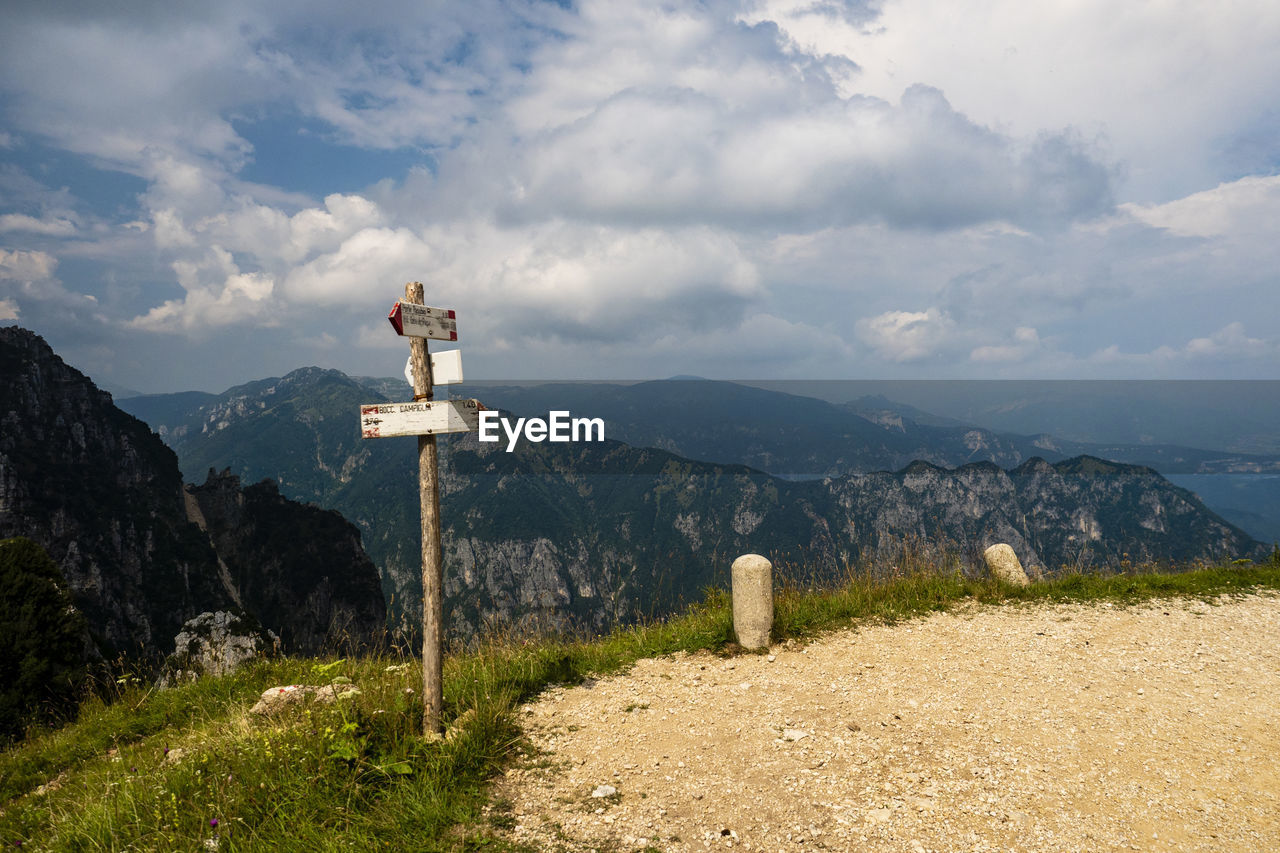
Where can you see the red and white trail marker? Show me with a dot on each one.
(419, 321)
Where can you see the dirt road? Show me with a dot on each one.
(1010, 728)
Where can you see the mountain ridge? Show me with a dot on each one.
(583, 536)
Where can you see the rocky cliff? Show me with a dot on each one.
(583, 536)
(299, 569)
(104, 496)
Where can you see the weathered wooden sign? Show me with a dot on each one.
(427, 417)
(419, 321)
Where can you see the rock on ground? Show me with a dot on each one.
(1003, 563)
(275, 699)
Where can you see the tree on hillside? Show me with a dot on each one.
(42, 664)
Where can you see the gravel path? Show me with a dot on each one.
(1007, 728)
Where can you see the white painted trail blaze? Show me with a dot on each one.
(428, 417)
(420, 321)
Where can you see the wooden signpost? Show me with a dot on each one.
(426, 418)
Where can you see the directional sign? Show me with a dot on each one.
(429, 417)
(419, 321)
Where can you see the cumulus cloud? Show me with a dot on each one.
(8, 309)
(674, 156)
(1231, 342)
(727, 123)
(22, 265)
(217, 294)
(907, 336)
(363, 265)
(1171, 94)
(599, 180)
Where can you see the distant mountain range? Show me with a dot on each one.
(1228, 416)
(791, 435)
(584, 535)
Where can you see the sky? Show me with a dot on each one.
(195, 195)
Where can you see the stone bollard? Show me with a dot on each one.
(752, 600)
(1003, 564)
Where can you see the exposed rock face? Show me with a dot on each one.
(298, 431)
(103, 496)
(299, 569)
(585, 536)
(1080, 512)
(216, 644)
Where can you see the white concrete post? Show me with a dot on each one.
(752, 600)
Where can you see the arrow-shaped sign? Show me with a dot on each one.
(419, 321)
(429, 417)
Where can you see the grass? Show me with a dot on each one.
(191, 769)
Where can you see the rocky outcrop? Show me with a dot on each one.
(104, 497)
(298, 568)
(216, 644)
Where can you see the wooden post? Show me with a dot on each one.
(432, 557)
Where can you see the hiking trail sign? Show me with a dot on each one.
(429, 417)
(419, 321)
(426, 418)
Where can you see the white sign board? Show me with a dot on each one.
(429, 417)
(446, 368)
(419, 321)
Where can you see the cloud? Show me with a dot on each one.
(401, 74)
(1230, 344)
(22, 265)
(48, 227)
(1245, 207)
(217, 294)
(1171, 94)
(907, 336)
(599, 183)
(1026, 342)
(361, 267)
(8, 309)
(728, 124)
